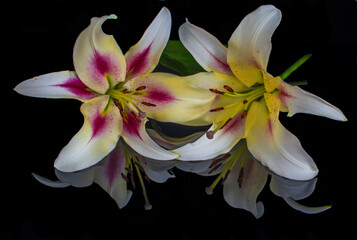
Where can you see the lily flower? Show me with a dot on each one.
(251, 109)
(110, 109)
(113, 174)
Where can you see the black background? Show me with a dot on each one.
(39, 38)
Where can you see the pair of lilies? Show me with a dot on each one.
(236, 96)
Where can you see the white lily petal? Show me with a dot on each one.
(296, 100)
(50, 183)
(297, 190)
(97, 137)
(275, 147)
(157, 171)
(63, 84)
(97, 58)
(250, 45)
(223, 141)
(136, 137)
(199, 167)
(244, 184)
(108, 176)
(207, 50)
(83, 178)
(145, 55)
(309, 210)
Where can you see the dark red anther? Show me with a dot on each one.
(125, 91)
(244, 114)
(129, 170)
(216, 91)
(245, 101)
(240, 178)
(216, 109)
(215, 168)
(135, 116)
(132, 180)
(225, 177)
(228, 88)
(148, 104)
(140, 88)
(125, 177)
(226, 123)
(139, 166)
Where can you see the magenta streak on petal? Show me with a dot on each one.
(98, 123)
(114, 165)
(102, 64)
(221, 64)
(138, 62)
(77, 87)
(132, 127)
(159, 96)
(284, 95)
(234, 126)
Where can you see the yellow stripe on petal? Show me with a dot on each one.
(273, 104)
(270, 83)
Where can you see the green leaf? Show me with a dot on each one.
(178, 59)
(295, 66)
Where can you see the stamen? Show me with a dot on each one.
(228, 88)
(225, 177)
(218, 160)
(140, 88)
(129, 170)
(125, 91)
(240, 177)
(216, 91)
(245, 101)
(216, 109)
(148, 104)
(226, 123)
(132, 181)
(209, 191)
(147, 205)
(136, 116)
(125, 177)
(244, 114)
(215, 168)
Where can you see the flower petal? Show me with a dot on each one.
(243, 185)
(109, 176)
(145, 55)
(297, 190)
(50, 183)
(176, 99)
(305, 209)
(97, 57)
(63, 84)
(208, 51)
(275, 147)
(223, 141)
(83, 178)
(296, 100)
(250, 45)
(157, 171)
(136, 137)
(98, 136)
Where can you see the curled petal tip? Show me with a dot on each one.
(112, 16)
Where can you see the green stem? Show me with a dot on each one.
(298, 83)
(295, 66)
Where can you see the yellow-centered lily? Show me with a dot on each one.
(251, 108)
(114, 89)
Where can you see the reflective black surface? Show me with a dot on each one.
(39, 38)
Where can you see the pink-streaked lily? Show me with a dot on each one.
(252, 111)
(110, 109)
(113, 174)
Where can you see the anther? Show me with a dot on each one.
(216, 91)
(226, 123)
(244, 114)
(129, 170)
(125, 91)
(132, 180)
(125, 177)
(228, 88)
(139, 166)
(210, 134)
(225, 177)
(136, 116)
(140, 88)
(245, 101)
(215, 168)
(216, 109)
(148, 104)
(240, 178)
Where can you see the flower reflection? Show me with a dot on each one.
(114, 173)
